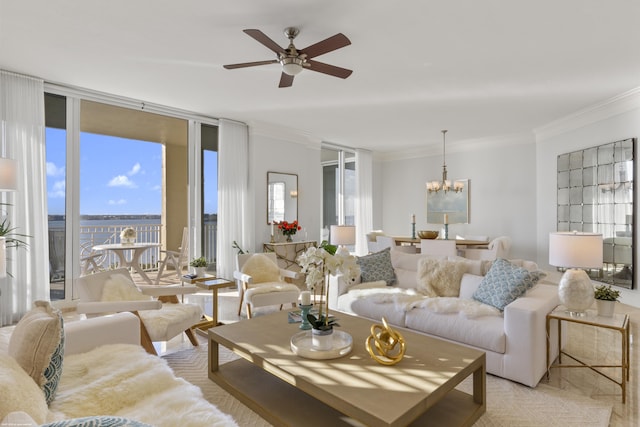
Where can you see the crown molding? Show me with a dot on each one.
(467, 145)
(619, 104)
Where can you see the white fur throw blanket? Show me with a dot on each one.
(408, 299)
(123, 380)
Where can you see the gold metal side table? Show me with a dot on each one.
(619, 322)
(211, 283)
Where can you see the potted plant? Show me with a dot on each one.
(289, 229)
(128, 236)
(322, 331)
(199, 266)
(606, 298)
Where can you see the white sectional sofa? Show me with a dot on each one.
(514, 339)
(106, 378)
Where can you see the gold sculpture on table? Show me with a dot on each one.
(389, 344)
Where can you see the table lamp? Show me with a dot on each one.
(575, 251)
(342, 236)
(7, 183)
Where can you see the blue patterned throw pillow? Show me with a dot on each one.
(377, 266)
(37, 344)
(99, 421)
(503, 283)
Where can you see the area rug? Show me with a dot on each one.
(508, 404)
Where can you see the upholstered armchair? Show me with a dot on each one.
(261, 282)
(160, 319)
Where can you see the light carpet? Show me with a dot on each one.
(508, 404)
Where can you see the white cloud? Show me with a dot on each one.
(118, 202)
(53, 170)
(121, 181)
(156, 188)
(58, 190)
(135, 169)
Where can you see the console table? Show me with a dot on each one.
(287, 253)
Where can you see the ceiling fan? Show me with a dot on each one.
(294, 60)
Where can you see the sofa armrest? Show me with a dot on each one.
(84, 335)
(99, 307)
(159, 291)
(525, 327)
(338, 285)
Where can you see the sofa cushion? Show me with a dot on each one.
(439, 278)
(97, 421)
(37, 344)
(503, 283)
(485, 332)
(377, 266)
(262, 269)
(19, 392)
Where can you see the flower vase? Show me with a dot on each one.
(322, 339)
(199, 271)
(289, 238)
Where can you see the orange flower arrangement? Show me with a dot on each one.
(289, 228)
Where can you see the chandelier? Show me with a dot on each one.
(445, 184)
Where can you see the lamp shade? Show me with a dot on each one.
(575, 250)
(343, 235)
(7, 174)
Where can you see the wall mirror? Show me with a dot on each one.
(282, 197)
(596, 194)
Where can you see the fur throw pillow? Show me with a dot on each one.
(440, 278)
(262, 269)
(119, 287)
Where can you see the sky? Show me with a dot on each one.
(117, 176)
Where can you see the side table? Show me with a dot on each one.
(211, 283)
(619, 322)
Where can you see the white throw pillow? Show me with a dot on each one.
(19, 392)
(440, 278)
(119, 287)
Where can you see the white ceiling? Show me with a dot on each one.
(481, 68)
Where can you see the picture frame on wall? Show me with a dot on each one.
(455, 205)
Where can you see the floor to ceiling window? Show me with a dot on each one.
(209, 147)
(338, 187)
(111, 167)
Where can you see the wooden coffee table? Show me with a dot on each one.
(288, 390)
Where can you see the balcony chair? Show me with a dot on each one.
(497, 248)
(438, 247)
(178, 259)
(161, 319)
(261, 282)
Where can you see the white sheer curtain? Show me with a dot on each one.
(22, 139)
(235, 207)
(364, 204)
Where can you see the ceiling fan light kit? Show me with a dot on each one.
(293, 61)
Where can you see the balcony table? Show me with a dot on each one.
(136, 250)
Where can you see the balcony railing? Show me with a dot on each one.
(99, 234)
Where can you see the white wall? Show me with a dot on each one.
(613, 121)
(502, 196)
(288, 154)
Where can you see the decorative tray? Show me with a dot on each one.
(301, 345)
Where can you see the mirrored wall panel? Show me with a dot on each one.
(596, 194)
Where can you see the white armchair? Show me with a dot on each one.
(261, 282)
(160, 319)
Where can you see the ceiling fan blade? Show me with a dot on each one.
(265, 40)
(326, 45)
(285, 80)
(250, 64)
(332, 70)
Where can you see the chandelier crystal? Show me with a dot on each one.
(445, 184)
